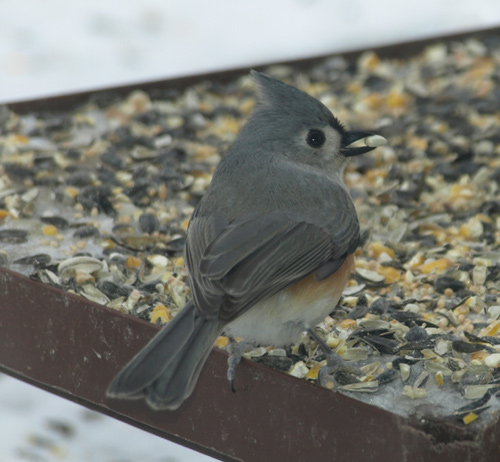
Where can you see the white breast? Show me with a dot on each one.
(280, 319)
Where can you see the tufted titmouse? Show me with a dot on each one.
(269, 247)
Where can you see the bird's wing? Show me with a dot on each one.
(255, 257)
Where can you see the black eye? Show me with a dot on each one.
(315, 138)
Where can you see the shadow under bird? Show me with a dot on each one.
(269, 247)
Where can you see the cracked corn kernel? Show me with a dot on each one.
(348, 323)
(417, 142)
(179, 261)
(332, 342)
(49, 230)
(375, 249)
(133, 262)
(461, 191)
(72, 192)
(222, 341)
(472, 229)
(397, 100)
(374, 101)
(491, 330)
(313, 372)
(469, 418)
(160, 314)
(437, 266)
(354, 87)
(478, 356)
(81, 277)
(391, 274)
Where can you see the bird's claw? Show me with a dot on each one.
(236, 351)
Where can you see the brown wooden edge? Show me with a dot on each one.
(72, 347)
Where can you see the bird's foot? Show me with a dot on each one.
(236, 351)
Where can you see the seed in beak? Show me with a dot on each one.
(375, 141)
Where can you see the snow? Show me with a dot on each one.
(54, 47)
(37, 426)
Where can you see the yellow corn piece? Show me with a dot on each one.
(348, 323)
(469, 418)
(492, 329)
(49, 230)
(133, 262)
(478, 355)
(375, 249)
(222, 341)
(313, 372)
(160, 312)
(72, 192)
(439, 378)
(179, 261)
(438, 266)
(391, 274)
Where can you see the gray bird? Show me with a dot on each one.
(269, 247)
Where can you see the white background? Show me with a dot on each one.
(55, 46)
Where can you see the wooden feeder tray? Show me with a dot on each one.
(72, 347)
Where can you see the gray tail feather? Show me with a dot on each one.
(165, 371)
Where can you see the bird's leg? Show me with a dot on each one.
(236, 351)
(334, 362)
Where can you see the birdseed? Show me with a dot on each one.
(97, 201)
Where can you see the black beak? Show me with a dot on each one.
(351, 137)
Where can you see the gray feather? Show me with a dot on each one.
(166, 369)
(276, 211)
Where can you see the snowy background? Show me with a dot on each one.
(54, 46)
